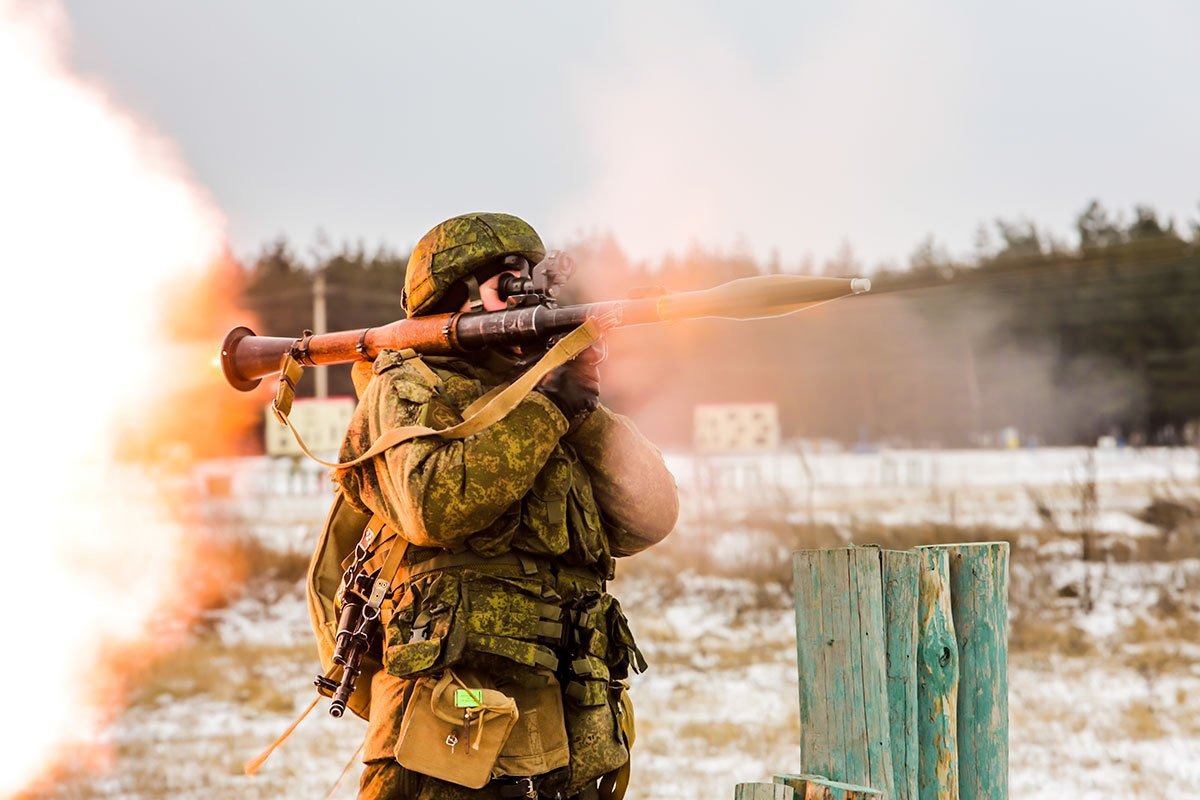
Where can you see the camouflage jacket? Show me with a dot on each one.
(526, 483)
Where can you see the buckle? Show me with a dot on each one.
(518, 788)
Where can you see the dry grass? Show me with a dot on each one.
(266, 563)
(1160, 642)
(758, 547)
(1142, 722)
(1034, 635)
(207, 668)
(1169, 513)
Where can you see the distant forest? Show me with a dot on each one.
(1064, 343)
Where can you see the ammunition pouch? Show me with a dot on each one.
(505, 730)
(454, 729)
(599, 746)
(601, 647)
(601, 651)
(546, 634)
(502, 614)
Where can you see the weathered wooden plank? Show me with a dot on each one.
(810, 661)
(846, 759)
(816, 787)
(937, 681)
(867, 591)
(841, 657)
(763, 791)
(900, 580)
(979, 599)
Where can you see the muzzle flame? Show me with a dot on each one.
(102, 232)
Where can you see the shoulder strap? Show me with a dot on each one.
(498, 404)
(391, 565)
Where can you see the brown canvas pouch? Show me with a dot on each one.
(538, 743)
(598, 745)
(454, 729)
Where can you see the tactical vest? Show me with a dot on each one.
(527, 593)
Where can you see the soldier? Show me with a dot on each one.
(512, 535)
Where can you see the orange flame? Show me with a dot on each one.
(118, 287)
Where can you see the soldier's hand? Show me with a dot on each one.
(575, 386)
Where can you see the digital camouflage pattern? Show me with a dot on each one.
(459, 246)
(529, 484)
(455, 493)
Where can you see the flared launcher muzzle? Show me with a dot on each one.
(246, 358)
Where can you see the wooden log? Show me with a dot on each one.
(763, 791)
(816, 734)
(815, 787)
(841, 657)
(900, 580)
(869, 659)
(937, 680)
(839, 678)
(979, 599)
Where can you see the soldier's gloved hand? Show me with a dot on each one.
(575, 386)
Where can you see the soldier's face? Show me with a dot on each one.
(489, 292)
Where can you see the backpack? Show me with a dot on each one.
(343, 530)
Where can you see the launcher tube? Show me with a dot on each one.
(246, 358)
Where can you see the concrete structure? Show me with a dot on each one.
(736, 427)
(321, 421)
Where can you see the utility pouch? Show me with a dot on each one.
(603, 650)
(423, 636)
(538, 743)
(599, 743)
(454, 729)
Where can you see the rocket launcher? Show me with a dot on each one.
(533, 318)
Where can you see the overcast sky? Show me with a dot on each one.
(787, 126)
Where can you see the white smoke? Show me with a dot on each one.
(691, 140)
(97, 215)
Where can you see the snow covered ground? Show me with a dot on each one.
(1104, 669)
(961, 488)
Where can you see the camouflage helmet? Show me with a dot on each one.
(458, 248)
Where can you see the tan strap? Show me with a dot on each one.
(387, 573)
(252, 766)
(479, 403)
(493, 703)
(346, 770)
(497, 407)
(613, 785)
(290, 372)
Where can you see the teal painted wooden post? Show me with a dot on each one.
(900, 580)
(937, 680)
(870, 661)
(816, 734)
(841, 657)
(979, 598)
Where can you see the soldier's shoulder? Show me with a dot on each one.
(404, 375)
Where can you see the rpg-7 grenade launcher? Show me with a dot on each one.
(533, 317)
